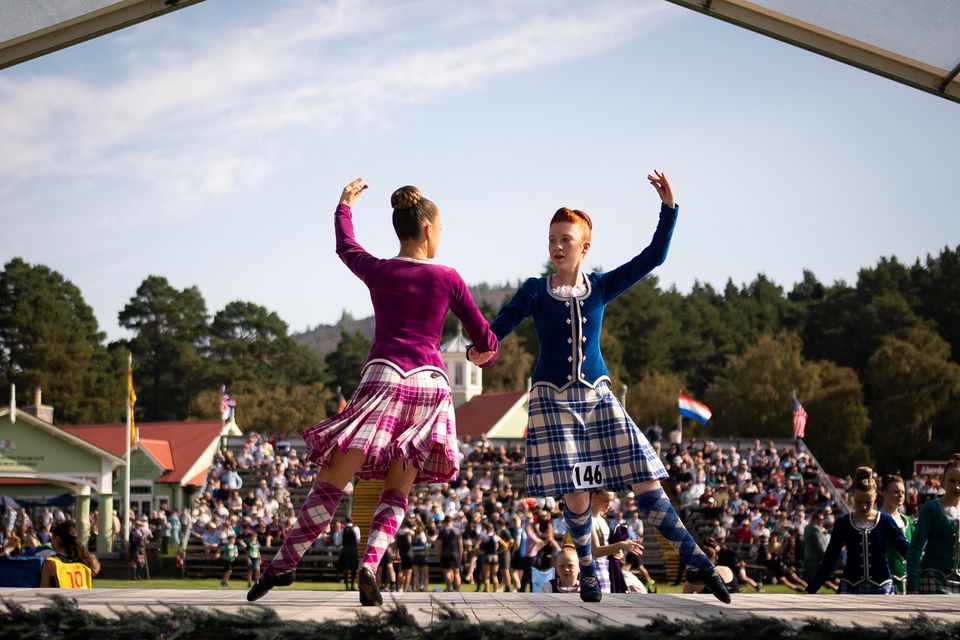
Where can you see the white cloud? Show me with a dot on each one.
(187, 123)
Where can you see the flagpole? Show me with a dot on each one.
(126, 471)
(680, 424)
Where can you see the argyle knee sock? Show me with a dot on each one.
(314, 516)
(580, 526)
(655, 507)
(386, 520)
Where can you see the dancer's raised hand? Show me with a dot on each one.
(660, 183)
(351, 191)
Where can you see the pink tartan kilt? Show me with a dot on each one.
(391, 417)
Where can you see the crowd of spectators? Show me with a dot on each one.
(507, 539)
(752, 504)
(21, 536)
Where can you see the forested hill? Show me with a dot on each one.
(324, 338)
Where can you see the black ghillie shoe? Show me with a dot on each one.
(590, 589)
(711, 581)
(369, 591)
(267, 582)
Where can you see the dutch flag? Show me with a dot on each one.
(690, 408)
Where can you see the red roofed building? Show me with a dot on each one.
(498, 416)
(42, 463)
(170, 460)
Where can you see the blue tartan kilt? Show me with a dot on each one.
(867, 588)
(581, 439)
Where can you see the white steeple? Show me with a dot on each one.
(466, 379)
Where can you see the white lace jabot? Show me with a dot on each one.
(569, 291)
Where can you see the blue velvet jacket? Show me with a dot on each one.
(866, 551)
(568, 329)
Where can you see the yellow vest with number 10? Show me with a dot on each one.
(72, 575)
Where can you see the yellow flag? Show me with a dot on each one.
(132, 399)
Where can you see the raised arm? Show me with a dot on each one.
(512, 314)
(353, 255)
(519, 307)
(614, 283)
(476, 326)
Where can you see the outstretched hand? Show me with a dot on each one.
(351, 191)
(630, 546)
(660, 183)
(479, 358)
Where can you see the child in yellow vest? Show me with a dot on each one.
(73, 567)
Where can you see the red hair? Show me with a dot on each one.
(576, 217)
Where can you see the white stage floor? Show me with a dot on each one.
(867, 611)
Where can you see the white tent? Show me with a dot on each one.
(916, 42)
(32, 28)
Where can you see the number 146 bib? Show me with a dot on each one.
(587, 475)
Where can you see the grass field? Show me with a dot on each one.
(187, 583)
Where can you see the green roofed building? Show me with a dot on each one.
(43, 463)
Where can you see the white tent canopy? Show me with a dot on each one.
(32, 28)
(916, 42)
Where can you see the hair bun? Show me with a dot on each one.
(864, 472)
(864, 479)
(405, 197)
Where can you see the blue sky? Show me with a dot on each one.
(209, 146)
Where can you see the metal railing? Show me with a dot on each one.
(839, 499)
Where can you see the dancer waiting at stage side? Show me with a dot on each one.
(603, 550)
(933, 563)
(893, 492)
(398, 425)
(579, 437)
(865, 533)
(567, 566)
(72, 566)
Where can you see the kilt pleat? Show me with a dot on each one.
(583, 430)
(393, 417)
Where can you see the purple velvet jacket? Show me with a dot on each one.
(410, 301)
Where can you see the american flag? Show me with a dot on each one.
(799, 418)
(227, 403)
